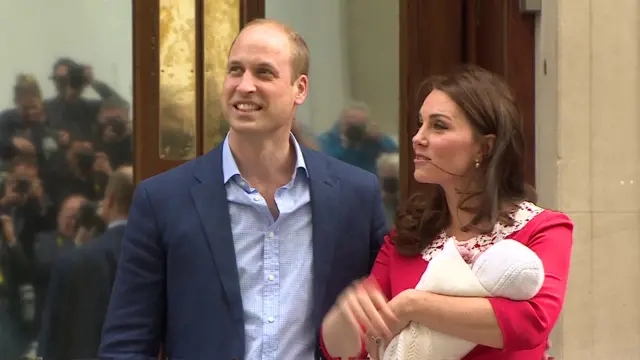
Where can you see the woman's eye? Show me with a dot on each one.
(438, 125)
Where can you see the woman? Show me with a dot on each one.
(469, 150)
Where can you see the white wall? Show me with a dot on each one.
(321, 23)
(36, 32)
(588, 166)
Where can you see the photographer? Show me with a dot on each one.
(81, 282)
(22, 198)
(355, 140)
(78, 170)
(24, 130)
(69, 111)
(115, 132)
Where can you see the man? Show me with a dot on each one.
(355, 140)
(82, 280)
(49, 246)
(240, 253)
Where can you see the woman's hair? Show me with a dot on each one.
(490, 108)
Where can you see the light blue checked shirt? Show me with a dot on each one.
(275, 259)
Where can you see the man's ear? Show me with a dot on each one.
(301, 87)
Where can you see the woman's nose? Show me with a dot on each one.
(419, 139)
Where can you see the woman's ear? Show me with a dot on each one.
(488, 144)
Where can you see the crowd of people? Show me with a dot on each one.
(56, 157)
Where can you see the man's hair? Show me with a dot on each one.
(26, 85)
(121, 187)
(299, 48)
(355, 105)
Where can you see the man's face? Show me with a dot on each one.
(61, 78)
(67, 215)
(31, 108)
(354, 125)
(259, 94)
(25, 171)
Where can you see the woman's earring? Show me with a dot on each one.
(477, 164)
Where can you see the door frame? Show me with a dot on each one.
(496, 35)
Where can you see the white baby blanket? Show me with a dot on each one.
(507, 269)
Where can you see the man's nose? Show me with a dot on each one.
(247, 83)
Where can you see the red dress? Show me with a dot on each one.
(525, 324)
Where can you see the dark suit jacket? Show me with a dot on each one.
(78, 298)
(49, 246)
(177, 281)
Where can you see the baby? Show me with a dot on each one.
(506, 269)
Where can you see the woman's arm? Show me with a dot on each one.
(470, 318)
(340, 336)
(499, 322)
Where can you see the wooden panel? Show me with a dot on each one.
(502, 40)
(221, 23)
(180, 74)
(146, 83)
(251, 9)
(431, 34)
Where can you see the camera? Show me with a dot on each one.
(85, 159)
(117, 124)
(88, 218)
(22, 186)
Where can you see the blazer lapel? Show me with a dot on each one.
(325, 193)
(210, 198)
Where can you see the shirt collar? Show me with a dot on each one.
(230, 167)
(116, 223)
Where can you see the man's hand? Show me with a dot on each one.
(23, 145)
(63, 138)
(8, 229)
(11, 197)
(88, 74)
(102, 164)
(37, 191)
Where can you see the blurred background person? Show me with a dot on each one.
(355, 140)
(81, 282)
(389, 175)
(50, 246)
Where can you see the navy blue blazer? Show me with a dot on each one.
(177, 282)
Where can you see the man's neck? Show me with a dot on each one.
(264, 160)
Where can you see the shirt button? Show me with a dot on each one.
(243, 184)
(270, 234)
(271, 277)
(270, 319)
(256, 198)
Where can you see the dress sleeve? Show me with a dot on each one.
(380, 271)
(527, 324)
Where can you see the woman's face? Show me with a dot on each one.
(446, 148)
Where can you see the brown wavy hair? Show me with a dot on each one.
(489, 106)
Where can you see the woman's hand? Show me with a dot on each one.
(365, 306)
(372, 347)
